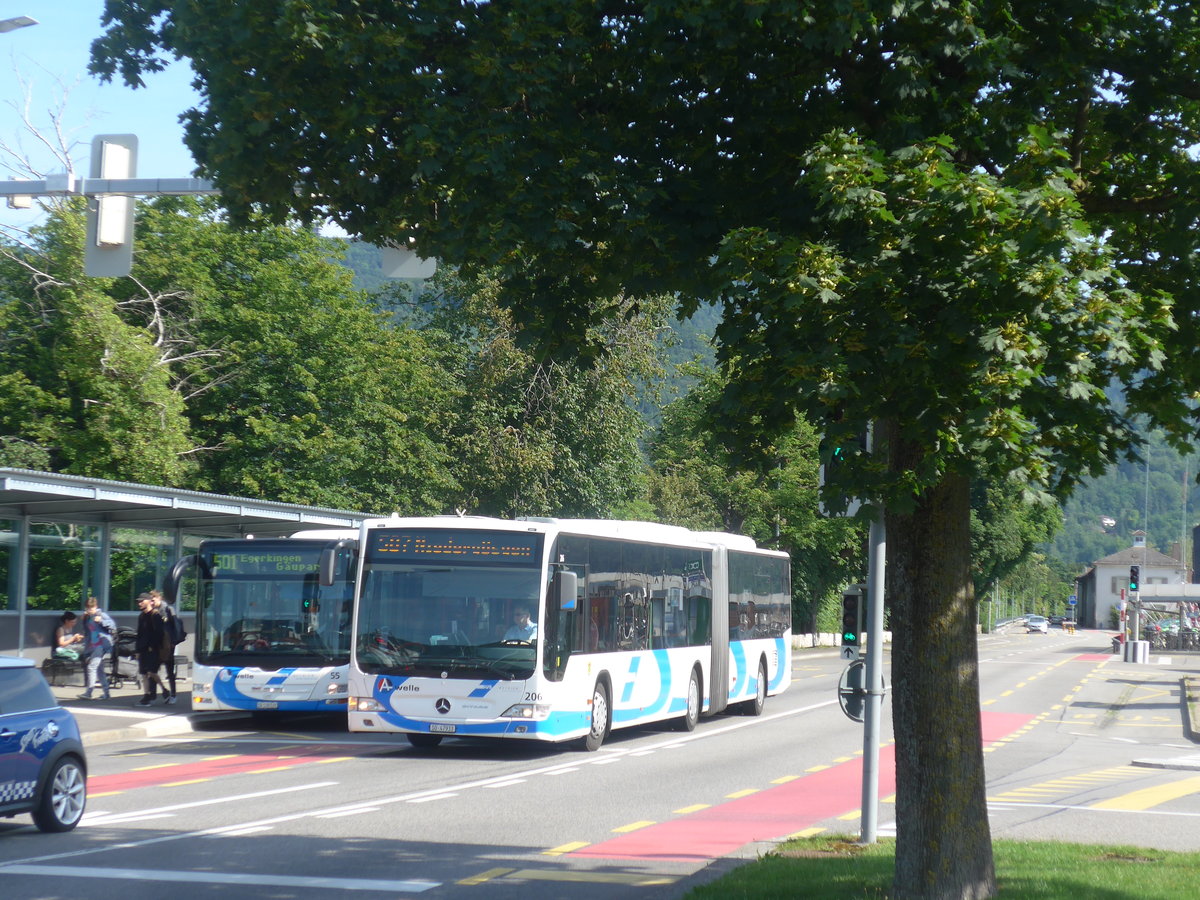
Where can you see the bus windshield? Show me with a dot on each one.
(261, 603)
(457, 601)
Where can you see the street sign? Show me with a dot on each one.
(849, 653)
(852, 690)
(1071, 602)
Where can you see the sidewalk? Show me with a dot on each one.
(120, 719)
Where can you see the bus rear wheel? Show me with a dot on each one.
(754, 707)
(600, 718)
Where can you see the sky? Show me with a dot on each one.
(41, 62)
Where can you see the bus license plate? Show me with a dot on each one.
(438, 728)
(267, 704)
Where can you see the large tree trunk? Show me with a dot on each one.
(943, 841)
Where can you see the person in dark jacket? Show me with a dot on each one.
(150, 637)
(171, 628)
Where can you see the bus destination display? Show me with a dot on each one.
(266, 560)
(456, 546)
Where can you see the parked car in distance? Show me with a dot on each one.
(1037, 623)
(43, 769)
(1057, 620)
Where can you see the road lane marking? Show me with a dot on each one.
(406, 886)
(102, 818)
(483, 877)
(1151, 796)
(636, 879)
(565, 848)
(633, 826)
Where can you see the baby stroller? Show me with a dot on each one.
(124, 657)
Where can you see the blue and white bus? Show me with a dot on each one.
(628, 623)
(273, 620)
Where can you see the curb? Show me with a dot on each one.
(164, 727)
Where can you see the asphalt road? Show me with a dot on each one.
(1079, 746)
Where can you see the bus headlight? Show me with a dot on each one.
(363, 704)
(334, 688)
(199, 687)
(526, 711)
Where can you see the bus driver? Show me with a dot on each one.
(522, 629)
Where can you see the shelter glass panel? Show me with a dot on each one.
(140, 560)
(64, 564)
(9, 537)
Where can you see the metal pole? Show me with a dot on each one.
(874, 675)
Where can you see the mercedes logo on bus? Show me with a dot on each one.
(442, 705)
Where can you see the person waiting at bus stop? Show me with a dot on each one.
(522, 629)
(99, 628)
(150, 635)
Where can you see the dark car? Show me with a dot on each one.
(43, 769)
(1057, 620)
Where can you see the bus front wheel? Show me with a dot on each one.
(423, 741)
(600, 718)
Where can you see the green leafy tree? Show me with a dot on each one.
(697, 482)
(1006, 530)
(298, 389)
(82, 388)
(933, 273)
(540, 436)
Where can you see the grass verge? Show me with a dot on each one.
(836, 868)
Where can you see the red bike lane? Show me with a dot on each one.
(771, 813)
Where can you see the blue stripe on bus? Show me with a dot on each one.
(226, 692)
(739, 667)
(627, 693)
(781, 671)
(280, 677)
(484, 688)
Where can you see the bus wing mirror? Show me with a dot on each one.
(568, 590)
(327, 566)
(175, 576)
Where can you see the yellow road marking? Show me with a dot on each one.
(485, 876)
(632, 826)
(564, 848)
(738, 794)
(785, 779)
(635, 878)
(806, 833)
(695, 807)
(189, 781)
(1151, 796)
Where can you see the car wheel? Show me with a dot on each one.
(64, 797)
(600, 718)
(691, 714)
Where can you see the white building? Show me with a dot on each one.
(1102, 587)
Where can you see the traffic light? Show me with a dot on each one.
(851, 619)
(1134, 577)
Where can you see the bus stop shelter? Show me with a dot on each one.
(65, 537)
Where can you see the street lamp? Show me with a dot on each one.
(15, 23)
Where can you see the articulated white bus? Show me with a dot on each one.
(552, 630)
(273, 620)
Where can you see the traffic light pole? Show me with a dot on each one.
(874, 676)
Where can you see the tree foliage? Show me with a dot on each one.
(900, 207)
(537, 436)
